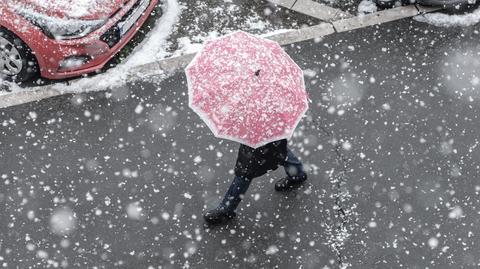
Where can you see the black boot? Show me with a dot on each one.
(287, 183)
(226, 210)
(218, 215)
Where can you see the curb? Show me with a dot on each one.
(172, 64)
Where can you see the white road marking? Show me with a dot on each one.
(284, 3)
(294, 36)
(375, 18)
(170, 65)
(319, 11)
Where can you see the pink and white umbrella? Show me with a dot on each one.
(247, 89)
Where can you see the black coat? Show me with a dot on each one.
(253, 163)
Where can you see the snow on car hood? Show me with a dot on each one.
(72, 9)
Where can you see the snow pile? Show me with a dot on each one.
(367, 6)
(63, 221)
(445, 20)
(7, 85)
(154, 48)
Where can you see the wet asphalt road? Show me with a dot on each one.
(120, 179)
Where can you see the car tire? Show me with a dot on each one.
(25, 66)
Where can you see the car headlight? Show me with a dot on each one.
(62, 29)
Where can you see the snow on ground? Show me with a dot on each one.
(8, 85)
(155, 47)
(194, 44)
(446, 20)
(224, 20)
(367, 6)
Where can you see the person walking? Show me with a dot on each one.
(252, 163)
(247, 89)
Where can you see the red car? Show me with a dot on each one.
(65, 38)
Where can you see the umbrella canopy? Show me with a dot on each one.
(247, 89)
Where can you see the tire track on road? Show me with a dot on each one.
(344, 209)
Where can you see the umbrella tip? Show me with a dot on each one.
(257, 73)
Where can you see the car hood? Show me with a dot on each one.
(73, 9)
